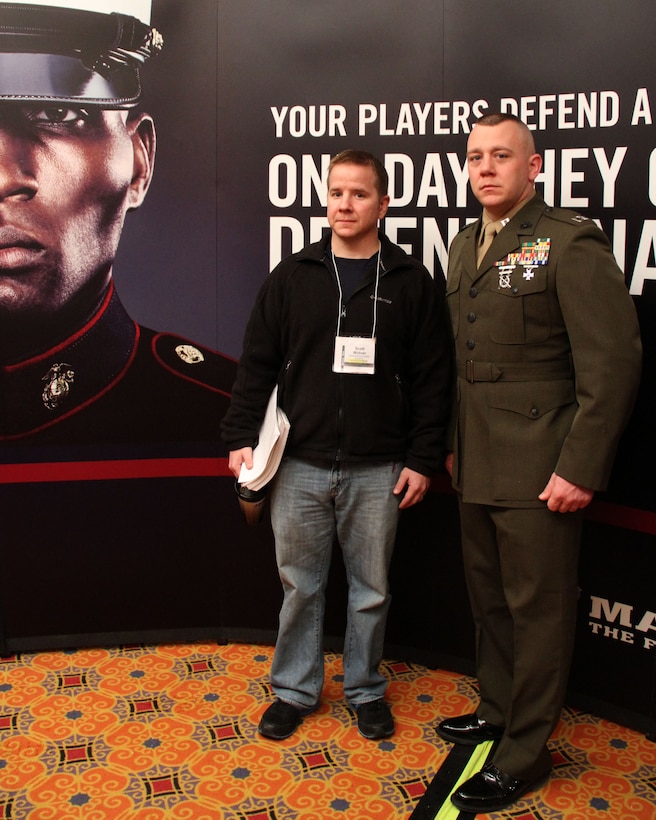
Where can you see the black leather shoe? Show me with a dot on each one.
(281, 720)
(492, 790)
(375, 720)
(468, 730)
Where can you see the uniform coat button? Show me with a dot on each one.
(535, 412)
(471, 344)
(471, 317)
(473, 293)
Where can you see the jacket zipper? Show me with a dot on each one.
(340, 382)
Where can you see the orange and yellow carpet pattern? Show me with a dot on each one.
(169, 733)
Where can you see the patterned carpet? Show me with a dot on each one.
(168, 733)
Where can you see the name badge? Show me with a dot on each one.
(354, 354)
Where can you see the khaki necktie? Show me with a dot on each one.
(491, 230)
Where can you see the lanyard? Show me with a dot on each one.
(340, 306)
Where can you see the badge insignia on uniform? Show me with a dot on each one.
(530, 256)
(579, 218)
(189, 354)
(58, 380)
(505, 272)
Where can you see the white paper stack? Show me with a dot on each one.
(270, 447)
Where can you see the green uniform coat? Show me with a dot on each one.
(548, 358)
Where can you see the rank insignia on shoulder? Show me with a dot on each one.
(580, 218)
(189, 354)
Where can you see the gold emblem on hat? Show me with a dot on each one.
(155, 41)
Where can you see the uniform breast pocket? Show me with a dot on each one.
(521, 308)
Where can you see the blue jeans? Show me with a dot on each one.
(311, 505)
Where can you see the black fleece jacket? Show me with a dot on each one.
(397, 414)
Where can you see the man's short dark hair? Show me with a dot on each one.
(355, 157)
(497, 117)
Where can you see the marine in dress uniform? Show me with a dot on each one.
(109, 431)
(113, 381)
(548, 362)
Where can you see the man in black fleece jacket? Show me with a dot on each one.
(354, 333)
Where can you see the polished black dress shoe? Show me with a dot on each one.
(375, 720)
(468, 730)
(282, 719)
(492, 790)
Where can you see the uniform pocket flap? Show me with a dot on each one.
(516, 284)
(532, 399)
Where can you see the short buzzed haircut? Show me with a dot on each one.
(498, 117)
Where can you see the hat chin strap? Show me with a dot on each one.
(100, 40)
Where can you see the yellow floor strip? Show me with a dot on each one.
(476, 762)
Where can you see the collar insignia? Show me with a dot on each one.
(58, 380)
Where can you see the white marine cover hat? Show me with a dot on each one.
(82, 52)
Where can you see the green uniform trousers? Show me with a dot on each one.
(521, 570)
